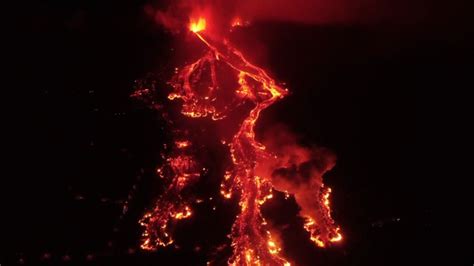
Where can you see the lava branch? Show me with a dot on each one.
(252, 243)
(178, 171)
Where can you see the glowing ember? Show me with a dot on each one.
(197, 86)
(182, 144)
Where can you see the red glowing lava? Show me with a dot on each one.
(257, 169)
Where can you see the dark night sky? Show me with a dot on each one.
(77, 144)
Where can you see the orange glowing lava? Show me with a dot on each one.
(251, 239)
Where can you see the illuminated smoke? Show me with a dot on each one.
(299, 171)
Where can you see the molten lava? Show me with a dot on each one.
(252, 240)
(197, 26)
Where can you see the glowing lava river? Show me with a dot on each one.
(256, 168)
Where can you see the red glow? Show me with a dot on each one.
(237, 22)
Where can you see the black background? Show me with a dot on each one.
(77, 144)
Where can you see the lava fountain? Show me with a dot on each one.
(256, 169)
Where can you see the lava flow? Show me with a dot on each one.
(257, 169)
